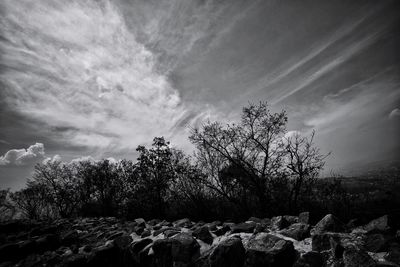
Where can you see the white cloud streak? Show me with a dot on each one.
(75, 64)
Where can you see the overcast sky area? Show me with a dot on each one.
(96, 78)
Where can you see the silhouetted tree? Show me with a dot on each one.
(32, 202)
(304, 163)
(254, 146)
(60, 186)
(155, 173)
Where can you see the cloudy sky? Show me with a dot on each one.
(97, 78)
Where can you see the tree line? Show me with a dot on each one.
(250, 168)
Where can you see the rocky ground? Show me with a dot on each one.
(279, 241)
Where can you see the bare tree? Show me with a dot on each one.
(254, 146)
(304, 163)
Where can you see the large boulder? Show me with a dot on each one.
(380, 225)
(180, 250)
(378, 242)
(140, 222)
(203, 234)
(298, 231)
(229, 253)
(304, 217)
(324, 241)
(354, 257)
(265, 249)
(329, 223)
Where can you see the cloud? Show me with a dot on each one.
(77, 66)
(395, 113)
(32, 154)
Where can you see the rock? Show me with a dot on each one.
(185, 249)
(278, 223)
(261, 227)
(310, 259)
(378, 242)
(354, 257)
(243, 227)
(153, 222)
(180, 250)
(291, 219)
(379, 225)
(139, 230)
(304, 217)
(265, 249)
(183, 223)
(229, 253)
(122, 242)
(138, 245)
(213, 225)
(222, 230)
(298, 231)
(171, 232)
(140, 222)
(328, 224)
(203, 234)
(145, 233)
(324, 241)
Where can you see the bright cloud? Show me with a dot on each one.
(76, 65)
(32, 154)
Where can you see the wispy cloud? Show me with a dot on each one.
(76, 65)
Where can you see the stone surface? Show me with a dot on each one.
(354, 257)
(329, 223)
(229, 253)
(203, 234)
(264, 249)
(298, 231)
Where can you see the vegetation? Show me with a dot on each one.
(253, 168)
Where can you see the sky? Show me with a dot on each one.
(96, 78)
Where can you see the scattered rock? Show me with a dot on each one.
(265, 249)
(298, 231)
(279, 223)
(379, 225)
(304, 217)
(203, 234)
(328, 224)
(228, 253)
(222, 230)
(354, 257)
